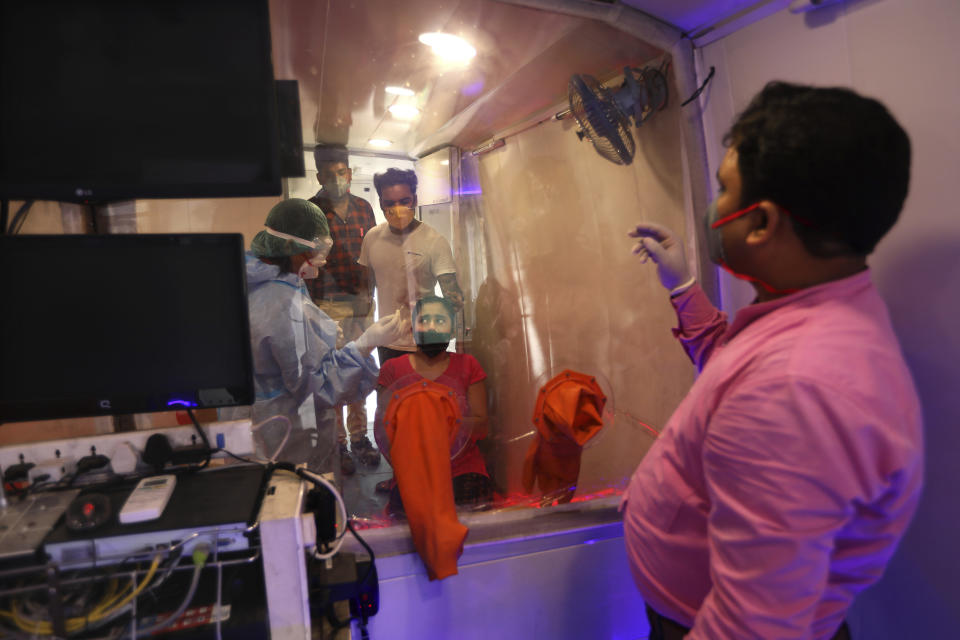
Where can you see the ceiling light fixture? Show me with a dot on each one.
(403, 111)
(379, 142)
(399, 91)
(448, 46)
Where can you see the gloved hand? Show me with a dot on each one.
(384, 331)
(666, 250)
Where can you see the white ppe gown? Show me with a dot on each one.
(295, 361)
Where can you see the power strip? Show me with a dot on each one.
(124, 449)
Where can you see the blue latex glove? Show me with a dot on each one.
(661, 245)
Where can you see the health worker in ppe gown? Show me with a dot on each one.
(294, 342)
(781, 485)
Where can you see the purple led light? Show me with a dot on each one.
(473, 88)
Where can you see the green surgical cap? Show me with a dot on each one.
(294, 217)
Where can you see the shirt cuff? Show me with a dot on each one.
(676, 291)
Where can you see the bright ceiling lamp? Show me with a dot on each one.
(399, 91)
(404, 111)
(379, 142)
(449, 47)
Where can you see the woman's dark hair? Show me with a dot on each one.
(394, 176)
(427, 299)
(284, 262)
(835, 160)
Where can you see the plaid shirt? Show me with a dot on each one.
(341, 276)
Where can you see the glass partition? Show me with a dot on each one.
(557, 354)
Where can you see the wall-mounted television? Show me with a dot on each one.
(118, 324)
(106, 101)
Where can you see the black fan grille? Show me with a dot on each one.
(601, 120)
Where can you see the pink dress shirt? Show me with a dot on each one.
(783, 482)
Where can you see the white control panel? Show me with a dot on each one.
(148, 499)
(123, 449)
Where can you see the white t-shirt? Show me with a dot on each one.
(406, 268)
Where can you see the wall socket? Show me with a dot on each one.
(123, 449)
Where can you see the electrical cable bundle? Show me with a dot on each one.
(30, 617)
(113, 604)
(319, 481)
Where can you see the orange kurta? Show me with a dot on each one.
(421, 421)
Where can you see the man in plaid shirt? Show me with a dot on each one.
(343, 289)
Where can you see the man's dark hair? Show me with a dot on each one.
(418, 307)
(830, 157)
(330, 154)
(394, 176)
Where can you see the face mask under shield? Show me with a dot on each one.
(320, 248)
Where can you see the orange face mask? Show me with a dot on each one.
(399, 217)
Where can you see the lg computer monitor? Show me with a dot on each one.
(120, 324)
(105, 100)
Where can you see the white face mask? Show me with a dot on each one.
(309, 271)
(338, 188)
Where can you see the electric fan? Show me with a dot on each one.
(604, 115)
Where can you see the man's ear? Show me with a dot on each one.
(765, 223)
(349, 174)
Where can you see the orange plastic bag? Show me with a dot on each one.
(569, 412)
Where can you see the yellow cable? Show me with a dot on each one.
(104, 609)
(103, 613)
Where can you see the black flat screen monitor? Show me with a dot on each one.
(118, 324)
(105, 100)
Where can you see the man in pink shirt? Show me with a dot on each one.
(783, 482)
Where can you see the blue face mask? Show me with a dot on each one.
(712, 230)
(712, 234)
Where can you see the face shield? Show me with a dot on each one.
(318, 247)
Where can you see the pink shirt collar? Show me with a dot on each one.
(844, 287)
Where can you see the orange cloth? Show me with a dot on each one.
(421, 422)
(569, 413)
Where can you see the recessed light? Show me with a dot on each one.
(404, 111)
(379, 142)
(399, 91)
(448, 46)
